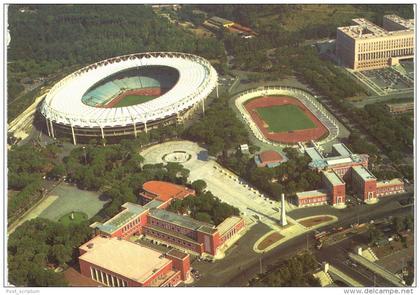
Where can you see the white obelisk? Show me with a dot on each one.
(283, 220)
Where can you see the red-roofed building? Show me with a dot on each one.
(164, 192)
(268, 159)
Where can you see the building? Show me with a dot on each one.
(268, 159)
(116, 262)
(335, 187)
(400, 108)
(363, 183)
(84, 104)
(342, 167)
(164, 192)
(341, 160)
(170, 228)
(311, 198)
(220, 22)
(364, 45)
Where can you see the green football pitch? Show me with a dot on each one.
(130, 100)
(283, 118)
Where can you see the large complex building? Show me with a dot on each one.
(116, 262)
(340, 168)
(400, 108)
(156, 223)
(124, 95)
(365, 45)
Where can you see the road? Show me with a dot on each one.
(242, 263)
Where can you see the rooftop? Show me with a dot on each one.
(395, 181)
(365, 29)
(363, 173)
(130, 212)
(126, 258)
(153, 204)
(220, 20)
(341, 149)
(227, 224)
(177, 253)
(407, 23)
(270, 156)
(333, 178)
(314, 154)
(166, 190)
(180, 220)
(310, 194)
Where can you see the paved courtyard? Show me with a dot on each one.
(66, 198)
(253, 205)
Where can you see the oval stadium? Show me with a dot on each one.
(128, 94)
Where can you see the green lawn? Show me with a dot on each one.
(78, 217)
(284, 118)
(130, 100)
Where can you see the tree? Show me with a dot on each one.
(199, 186)
(375, 235)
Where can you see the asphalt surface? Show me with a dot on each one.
(242, 264)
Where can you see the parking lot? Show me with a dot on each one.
(395, 79)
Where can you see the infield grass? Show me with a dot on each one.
(130, 100)
(283, 118)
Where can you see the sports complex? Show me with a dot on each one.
(285, 116)
(124, 95)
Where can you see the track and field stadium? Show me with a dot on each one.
(285, 116)
(128, 94)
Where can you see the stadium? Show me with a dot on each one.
(128, 94)
(281, 116)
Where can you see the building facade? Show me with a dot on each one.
(179, 231)
(365, 45)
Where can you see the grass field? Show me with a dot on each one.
(283, 118)
(130, 100)
(78, 217)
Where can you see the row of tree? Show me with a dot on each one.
(296, 271)
(38, 246)
(204, 206)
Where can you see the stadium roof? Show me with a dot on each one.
(63, 103)
(123, 257)
(166, 190)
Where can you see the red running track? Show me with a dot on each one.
(141, 92)
(289, 137)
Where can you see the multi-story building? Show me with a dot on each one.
(340, 167)
(335, 187)
(365, 45)
(400, 108)
(170, 228)
(311, 198)
(363, 183)
(116, 262)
